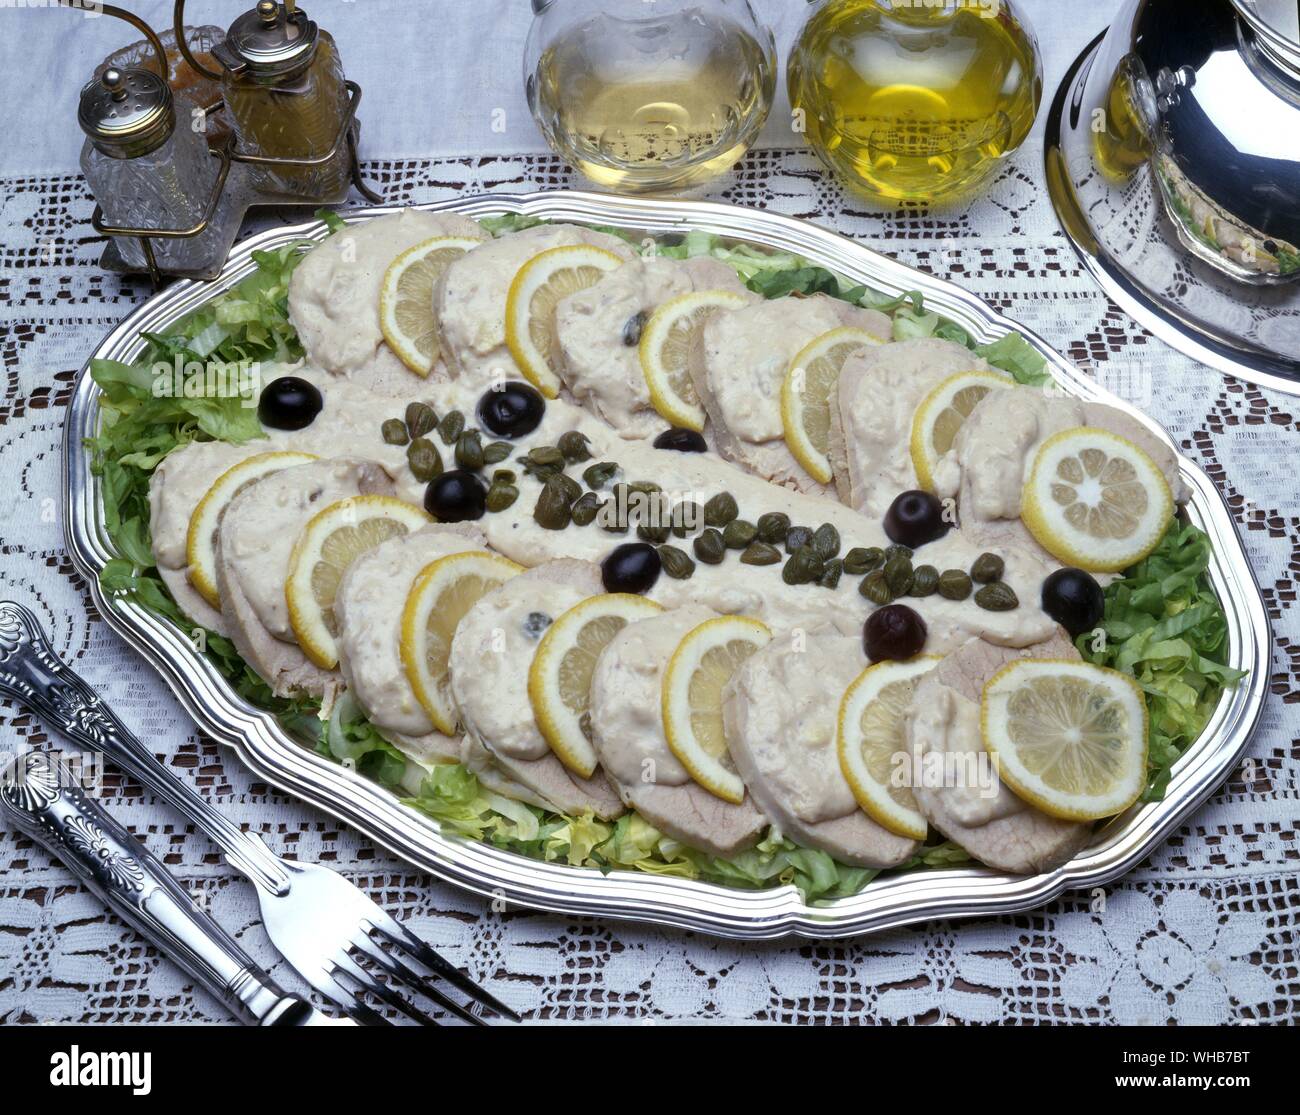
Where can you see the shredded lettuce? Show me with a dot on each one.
(1164, 627)
(510, 222)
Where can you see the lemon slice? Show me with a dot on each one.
(559, 680)
(806, 393)
(201, 540)
(1095, 500)
(443, 592)
(942, 413)
(406, 315)
(536, 290)
(870, 741)
(698, 671)
(665, 351)
(1068, 737)
(334, 538)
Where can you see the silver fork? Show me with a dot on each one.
(323, 925)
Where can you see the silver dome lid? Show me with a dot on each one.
(1173, 161)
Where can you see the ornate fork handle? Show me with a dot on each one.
(31, 673)
(42, 798)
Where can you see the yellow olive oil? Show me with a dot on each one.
(656, 104)
(914, 101)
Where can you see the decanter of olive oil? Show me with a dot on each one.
(914, 102)
(646, 97)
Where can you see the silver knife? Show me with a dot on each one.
(44, 800)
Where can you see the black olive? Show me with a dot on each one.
(631, 567)
(682, 441)
(893, 632)
(1074, 600)
(914, 519)
(289, 403)
(511, 409)
(455, 496)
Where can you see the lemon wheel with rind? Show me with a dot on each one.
(406, 309)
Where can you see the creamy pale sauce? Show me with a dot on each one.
(597, 333)
(626, 709)
(790, 694)
(470, 298)
(746, 354)
(371, 599)
(334, 291)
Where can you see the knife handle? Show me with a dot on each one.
(32, 673)
(42, 797)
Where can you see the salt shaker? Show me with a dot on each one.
(147, 162)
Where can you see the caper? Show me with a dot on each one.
(545, 456)
(598, 475)
(826, 541)
(425, 460)
(570, 487)
(645, 487)
(632, 329)
(494, 452)
(652, 533)
(552, 511)
(875, 588)
(830, 577)
(738, 534)
(797, 537)
(501, 496)
(469, 450)
(394, 432)
(504, 476)
(804, 567)
(584, 511)
(898, 574)
(687, 517)
(609, 519)
(760, 553)
(925, 580)
(574, 447)
(676, 563)
(987, 569)
(420, 419)
(859, 560)
(772, 527)
(997, 597)
(451, 427)
(897, 551)
(720, 510)
(710, 548)
(954, 584)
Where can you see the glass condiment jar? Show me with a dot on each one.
(287, 99)
(910, 102)
(649, 95)
(148, 165)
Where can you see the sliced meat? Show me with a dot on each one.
(780, 713)
(334, 291)
(470, 298)
(871, 416)
(368, 611)
(598, 331)
(739, 364)
(628, 733)
(254, 544)
(954, 780)
(490, 657)
(545, 783)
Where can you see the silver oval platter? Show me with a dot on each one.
(890, 901)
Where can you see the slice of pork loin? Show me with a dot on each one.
(779, 711)
(490, 657)
(255, 540)
(597, 331)
(628, 734)
(989, 821)
(872, 408)
(738, 364)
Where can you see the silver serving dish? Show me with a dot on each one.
(1173, 161)
(273, 755)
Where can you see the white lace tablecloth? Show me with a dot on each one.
(1206, 931)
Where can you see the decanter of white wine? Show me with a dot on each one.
(649, 95)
